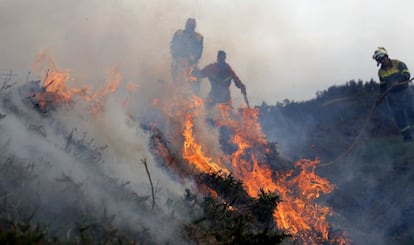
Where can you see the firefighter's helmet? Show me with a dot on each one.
(380, 53)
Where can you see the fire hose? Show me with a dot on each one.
(371, 112)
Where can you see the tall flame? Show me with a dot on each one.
(298, 213)
(192, 151)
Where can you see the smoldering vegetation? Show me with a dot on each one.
(61, 182)
(362, 153)
(71, 176)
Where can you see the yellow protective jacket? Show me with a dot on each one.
(398, 72)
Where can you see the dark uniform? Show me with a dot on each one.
(220, 76)
(186, 48)
(400, 98)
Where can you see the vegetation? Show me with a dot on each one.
(26, 219)
(62, 210)
(232, 217)
(373, 179)
(335, 117)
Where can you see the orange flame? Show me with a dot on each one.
(111, 85)
(297, 214)
(192, 151)
(56, 89)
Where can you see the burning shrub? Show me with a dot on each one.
(233, 217)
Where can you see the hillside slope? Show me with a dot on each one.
(373, 173)
(69, 176)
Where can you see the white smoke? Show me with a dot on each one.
(292, 49)
(97, 153)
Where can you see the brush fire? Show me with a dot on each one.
(191, 141)
(245, 154)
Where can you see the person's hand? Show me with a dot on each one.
(196, 73)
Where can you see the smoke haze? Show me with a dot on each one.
(279, 49)
(95, 156)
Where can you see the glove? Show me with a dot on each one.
(405, 75)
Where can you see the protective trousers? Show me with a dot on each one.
(402, 107)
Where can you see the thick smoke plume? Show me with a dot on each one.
(86, 159)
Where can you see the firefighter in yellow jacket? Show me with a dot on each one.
(186, 48)
(394, 77)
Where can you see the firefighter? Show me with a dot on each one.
(220, 75)
(394, 76)
(186, 48)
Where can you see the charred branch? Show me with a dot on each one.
(144, 161)
(7, 82)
